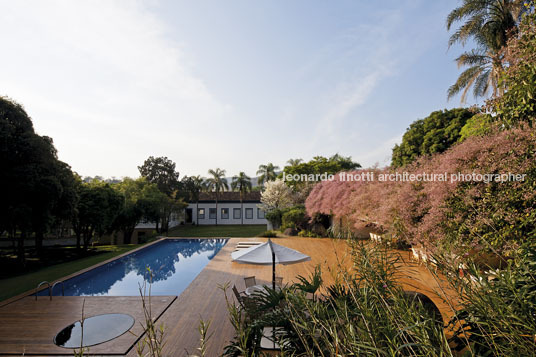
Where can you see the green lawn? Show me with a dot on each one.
(18, 284)
(221, 231)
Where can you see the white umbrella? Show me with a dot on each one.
(269, 253)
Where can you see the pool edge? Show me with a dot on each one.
(35, 290)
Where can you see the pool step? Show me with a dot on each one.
(245, 245)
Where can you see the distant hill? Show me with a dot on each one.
(254, 181)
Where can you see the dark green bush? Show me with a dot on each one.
(294, 217)
(274, 216)
(268, 234)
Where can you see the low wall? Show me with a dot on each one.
(6, 242)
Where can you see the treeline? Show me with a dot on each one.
(42, 196)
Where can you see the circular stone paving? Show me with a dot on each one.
(97, 329)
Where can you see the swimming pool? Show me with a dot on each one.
(174, 264)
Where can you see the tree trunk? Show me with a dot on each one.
(197, 213)
(78, 236)
(127, 235)
(241, 208)
(39, 241)
(216, 209)
(20, 248)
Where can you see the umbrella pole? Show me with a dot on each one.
(273, 270)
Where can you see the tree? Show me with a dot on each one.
(242, 184)
(217, 183)
(98, 207)
(194, 185)
(319, 165)
(489, 23)
(435, 133)
(160, 171)
(277, 195)
(294, 162)
(267, 173)
(35, 184)
(139, 202)
(477, 125)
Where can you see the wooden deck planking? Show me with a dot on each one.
(28, 327)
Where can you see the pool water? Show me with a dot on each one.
(174, 264)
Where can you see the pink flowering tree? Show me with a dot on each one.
(459, 216)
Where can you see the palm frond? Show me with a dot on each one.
(464, 82)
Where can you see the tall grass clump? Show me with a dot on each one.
(153, 342)
(497, 313)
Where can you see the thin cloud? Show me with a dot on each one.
(103, 74)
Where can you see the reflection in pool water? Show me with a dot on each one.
(174, 263)
(97, 329)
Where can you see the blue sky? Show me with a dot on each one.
(229, 84)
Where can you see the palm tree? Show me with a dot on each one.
(267, 172)
(194, 185)
(489, 23)
(241, 183)
(217, 183)
(294, 162)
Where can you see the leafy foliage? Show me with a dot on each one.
(268, 234)
(142, 199)
(435, 133)
(498, 310)
(267, 173)
(38, 190)
(295, 217)
(477, 125)
(488, 23)
(317, 166)
(160, 171)
(277, 195)
(518, 103)
(97, 210)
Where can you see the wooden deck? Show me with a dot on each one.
(28, 326)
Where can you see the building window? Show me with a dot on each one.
(260, 214)
(201, 213)
(225, 213)
(249, 213)
(212, 213)
(237, 213)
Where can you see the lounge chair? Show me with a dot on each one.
(279, 281)
(250, 281)
(239, 296)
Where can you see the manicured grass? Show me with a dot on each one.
(221, 231)
(18, 284)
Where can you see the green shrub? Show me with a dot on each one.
(498, 310)
(295, 217)
(268, 234)
(478, 125)
(306, 233)
(433, 134)
(274, 216)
